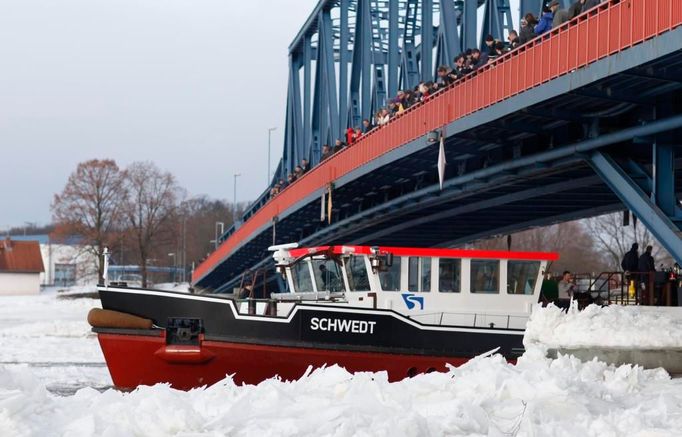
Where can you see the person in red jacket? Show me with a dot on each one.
(349, 136)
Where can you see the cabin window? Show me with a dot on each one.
(485, 276)
(449, 275)
(419, 274)
(426, 274)
(357, 273)
(390, 278)
(302, 281)
(328, 275)
(521, 276)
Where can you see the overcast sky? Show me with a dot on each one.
(192, 85)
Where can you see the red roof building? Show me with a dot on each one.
(20, 267)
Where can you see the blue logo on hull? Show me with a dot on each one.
(411, 300)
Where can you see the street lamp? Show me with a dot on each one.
(234, 207)
(174, 264)
(218, 233)
(269, 137)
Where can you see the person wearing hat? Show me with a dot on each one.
(560, 15)
(581, 6)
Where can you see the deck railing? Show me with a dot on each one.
(609, 28)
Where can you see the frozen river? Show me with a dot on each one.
(53, 382)
(51, 339)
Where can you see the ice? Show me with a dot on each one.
(537, 396)
(173, 286)
(610, 326)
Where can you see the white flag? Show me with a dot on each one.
(441, 163)
(322, 207)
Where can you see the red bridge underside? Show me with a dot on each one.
(146, 360)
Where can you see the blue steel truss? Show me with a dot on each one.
(353, 55)
(602, 139)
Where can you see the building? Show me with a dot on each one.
(21, 265)
(66, 261)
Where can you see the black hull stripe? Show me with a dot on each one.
(302, 306)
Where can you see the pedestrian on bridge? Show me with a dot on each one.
(527, 31)
(560, 15)
(546, 19)
(326, 152)
(514, 40)
(338, 146)
(478, 58)
(581, 6)
(367, 126)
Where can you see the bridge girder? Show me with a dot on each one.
(351, 55)
(568, 119)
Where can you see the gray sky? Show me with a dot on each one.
(192, 85)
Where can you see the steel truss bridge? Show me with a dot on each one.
(584, 120)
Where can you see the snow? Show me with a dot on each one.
(173, 286)
(486, 397)
(50, 338)
(610, 326)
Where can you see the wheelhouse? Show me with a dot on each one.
(434, 286)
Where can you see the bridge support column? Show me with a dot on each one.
(662, 225)
(664, 178)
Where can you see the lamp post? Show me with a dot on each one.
(172, 254)
(234, 206)
(218, 233)
(269, 137)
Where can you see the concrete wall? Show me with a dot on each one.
(19, 283)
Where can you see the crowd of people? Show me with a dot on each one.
(465, 63)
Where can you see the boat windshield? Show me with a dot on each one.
(328, 276)
(301, 275)
(357, 273)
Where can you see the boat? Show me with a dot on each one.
(366, 308)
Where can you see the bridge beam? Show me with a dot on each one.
(642, 205)
(664, 179)
(393, 50)
(427, 41)
(448, 39)
(344, 38)
(532, 6)
(469, 21)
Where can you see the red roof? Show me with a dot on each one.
(20, 257)
(430, 252)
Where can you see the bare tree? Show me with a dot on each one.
(89, 206)
(570, 240)
(152, 200)
(613, 239)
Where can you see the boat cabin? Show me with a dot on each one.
(435, 286)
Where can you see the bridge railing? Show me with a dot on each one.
(607, 29)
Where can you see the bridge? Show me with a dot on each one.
(583, 120)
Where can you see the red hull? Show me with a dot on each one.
(144, 360)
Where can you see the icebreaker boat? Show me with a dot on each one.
(400, 310)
